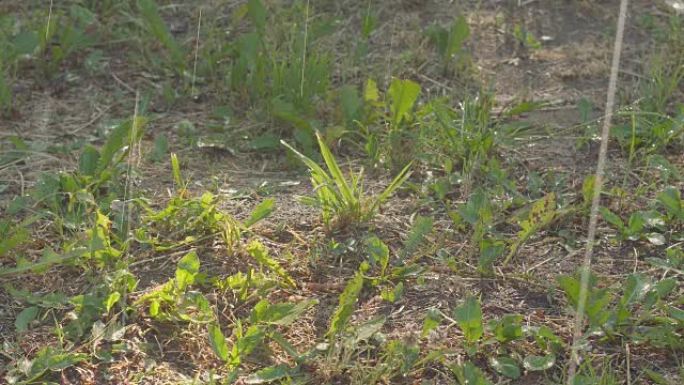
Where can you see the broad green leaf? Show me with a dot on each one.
(269, 374)
(52, 359)
(469, 374)
(218, 342)
(25, 317)
(351, 104)
(88, 161)
(403, 95)
(431, 322)
(116, 140)
(636, 287)
(393, 294)
(282, 314)
(508, 328)
(260, 212)
(112, 299)
(469, 318)
(539, 363)
(257, 13)
(490, 251)
(505, 366)
(26, 42)
(187, 270)
(612, 218)
(670, 198)
(378, 253)
(160, 149)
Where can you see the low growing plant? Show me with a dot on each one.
(342, 200)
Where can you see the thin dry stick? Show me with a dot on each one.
(389, 57)
(125, 213)
(194, 66)
(306, 39)
(47, 27)
(629, 366)
(598, 184)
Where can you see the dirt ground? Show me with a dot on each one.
(571, 65)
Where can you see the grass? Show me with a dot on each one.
(156, 225)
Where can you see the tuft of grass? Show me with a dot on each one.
(342, 199)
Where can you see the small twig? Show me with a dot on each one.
(122, 83)
(194, 66)
(629, 366)
(90, 122)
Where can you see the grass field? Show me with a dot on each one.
(338, 192)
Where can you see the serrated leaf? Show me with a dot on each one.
(588, 189)
(539, 363)
(25, 317)
(403, 95)
(505, 366)
(218, 342)
(347, 303)
(371, 93)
